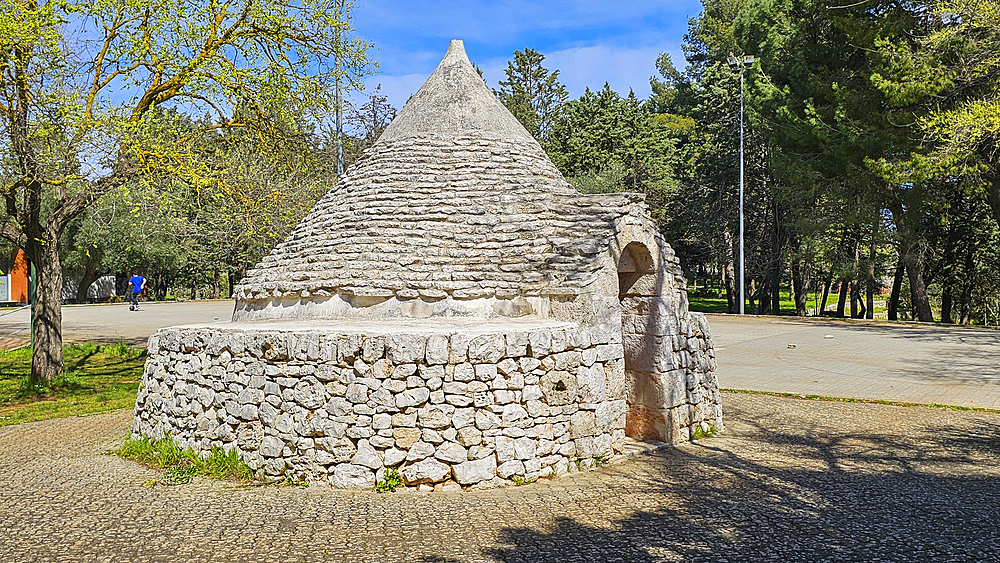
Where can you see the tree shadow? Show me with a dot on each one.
(821, 497)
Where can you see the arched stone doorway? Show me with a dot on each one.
(639, 290)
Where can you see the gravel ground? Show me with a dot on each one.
(790, 480)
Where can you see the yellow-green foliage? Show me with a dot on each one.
(954, 68)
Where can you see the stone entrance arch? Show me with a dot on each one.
(640, 286)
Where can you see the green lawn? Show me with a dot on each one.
(707, 304)
(97, 379)
(702, 304)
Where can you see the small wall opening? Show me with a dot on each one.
(638, 286)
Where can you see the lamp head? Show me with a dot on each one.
(747, 60)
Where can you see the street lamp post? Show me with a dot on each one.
(741, 64)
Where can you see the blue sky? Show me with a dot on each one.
(589, 42)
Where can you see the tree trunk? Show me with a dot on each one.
(47, 354)
(231, 278)
(946, 302)
(160, 286)
(729, 273)
(857, 300)
(776, 289)
(842, 299)
(912, 258)
(765, 296)
(89, 277)
(872, 254)
(121, 284)
(826, 292)
(993, 194)
(897, 286)
(216, 285)
(800, 287)
(969, 282)
(949, 265)
(918, 289)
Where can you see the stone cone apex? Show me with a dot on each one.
(455, 211)
(455, 101)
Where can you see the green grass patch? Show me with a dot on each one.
(182, 465)
(702, 301)
(518, 480)
(708, 304)
(700, 433)
(96, 379)
(389, 483)
(851, 400)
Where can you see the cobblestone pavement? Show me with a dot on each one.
(790, 480)
(928, 364)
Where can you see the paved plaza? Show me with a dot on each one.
(113, 322)
(789, 480)
(913, 363)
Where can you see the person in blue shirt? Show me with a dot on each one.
(138, 284)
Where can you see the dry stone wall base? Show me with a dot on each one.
(340, 409)
(473, 409)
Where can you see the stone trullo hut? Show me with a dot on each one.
(451, 308)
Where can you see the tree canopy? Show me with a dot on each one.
(871, 147)
(84, 93)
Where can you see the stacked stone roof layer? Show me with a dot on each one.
(455, 200)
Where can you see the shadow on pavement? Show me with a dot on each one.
(848, 497)
(960, 354)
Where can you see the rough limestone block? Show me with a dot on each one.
(510, 468)
(373, 349)
(505, 449)
(610, 416)
(592, 382)
(462, 418)
(517, 344)
(405, 348)
(559, 388)
(464, 372)
(419, 450)
(458, 348)
(582, 424)
(435, 416)
(450, 452)
(487, 348)
(348, 476)
(437, 352)
(406, 437)
(472, 472)
(524, 448)
(393, 457)
(428, 470)
(512, 413)
(469, 436)
(367, 456)
(540, 342)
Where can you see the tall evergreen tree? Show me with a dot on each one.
(532, 93)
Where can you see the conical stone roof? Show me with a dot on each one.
(456, 210)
